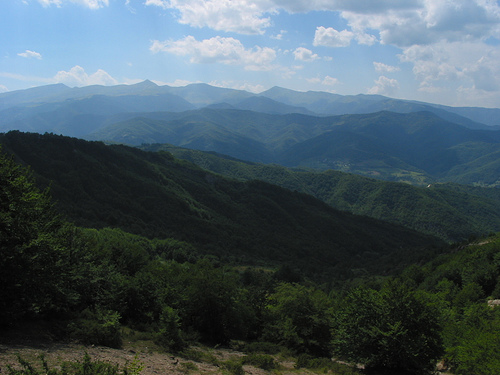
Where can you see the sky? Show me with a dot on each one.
(439, 51)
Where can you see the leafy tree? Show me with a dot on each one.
(476, 347)
(299, 318)
(34, 254)
(389, 329)
(212, 303)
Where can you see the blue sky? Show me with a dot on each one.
(440, 51)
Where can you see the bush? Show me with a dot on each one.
(169, 335)
(263, 361)
(233, 367)
(97, 327)
(85, 367)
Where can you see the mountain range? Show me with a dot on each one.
(372, 135)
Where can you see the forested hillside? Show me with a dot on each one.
(261, 241)
(87, 284)
(419, 148)
(155, 195)
(450, 211)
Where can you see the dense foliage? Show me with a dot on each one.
(251, 223)
(450, 211)
(91, 282)
(33, 247)
(390, 328)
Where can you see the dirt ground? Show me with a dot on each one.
(148, 358)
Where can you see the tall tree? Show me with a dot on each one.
(33, 251)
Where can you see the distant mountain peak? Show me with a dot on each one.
(146, 83)
(278, 89)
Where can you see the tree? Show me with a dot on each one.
(299, 318)
(33, 247)
(390, 328)
(212, 303)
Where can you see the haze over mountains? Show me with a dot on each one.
(372, 135)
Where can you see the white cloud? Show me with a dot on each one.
(384, 86)
(77, 76)
(253, 17)
(468, 65)
(280, 35)
(239, 86)
(402, 23)
(476, 97)
(245, 17)
(432, 21)
(3, 88)
(329, 37)
(92, 4)
(313, 80)
(30, 54)
(165, 4)
(304, 54)
(383, 68)
(130, 8)
(221, 50)
(330, 81)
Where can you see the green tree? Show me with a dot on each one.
(391, 329)
(213, 304)
(33, 247)
(476, 347)
(299, 317)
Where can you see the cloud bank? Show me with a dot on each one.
(228, 51)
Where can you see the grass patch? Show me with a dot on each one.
(84, 367)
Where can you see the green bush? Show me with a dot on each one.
(233, 367)
(263, 361)
(97, 327)
(84, 367)
(170, 335)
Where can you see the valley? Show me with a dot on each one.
(301, 224)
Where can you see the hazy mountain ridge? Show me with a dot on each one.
(416, 147)
(201, 95)
(283, 126)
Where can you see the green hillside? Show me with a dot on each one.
(419, 148)
(461, 285)
(451, 211)
(155, 195)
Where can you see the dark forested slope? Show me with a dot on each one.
(451, 211)
(251, 222)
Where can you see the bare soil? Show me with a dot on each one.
(143, 353)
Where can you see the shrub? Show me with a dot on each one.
(263, 361)
(233, 367)
(97, 327)
(84, 367)
(169, 335)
